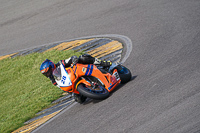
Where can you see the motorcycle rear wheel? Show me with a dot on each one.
(124, 74)
(97, 93)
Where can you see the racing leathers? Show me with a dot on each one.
(84, 59)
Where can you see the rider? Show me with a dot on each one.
(48, 66)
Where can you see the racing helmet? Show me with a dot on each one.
(47, 67)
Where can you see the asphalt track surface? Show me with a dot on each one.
(163, 98)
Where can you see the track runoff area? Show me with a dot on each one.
(105, 47)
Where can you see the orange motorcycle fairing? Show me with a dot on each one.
(71, 77)
(110, 81)
(66, 88)
(114, 80)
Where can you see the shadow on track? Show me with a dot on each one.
(88, 100)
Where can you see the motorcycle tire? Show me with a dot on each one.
(124, 74)
(100, 93)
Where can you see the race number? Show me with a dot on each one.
(63, 79)
(116, 76)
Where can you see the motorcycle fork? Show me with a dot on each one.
(93, 83)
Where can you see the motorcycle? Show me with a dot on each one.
(89, 80)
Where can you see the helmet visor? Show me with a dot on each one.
(48, 73)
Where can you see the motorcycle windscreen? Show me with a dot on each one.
(57, 73)
(61, 76)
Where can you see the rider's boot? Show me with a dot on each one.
(106, 63)
(79, 98)
(102, 63)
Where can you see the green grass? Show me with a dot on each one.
(24, 90)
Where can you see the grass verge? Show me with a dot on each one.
(24, 90)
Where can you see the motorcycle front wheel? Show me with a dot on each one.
(98, 92)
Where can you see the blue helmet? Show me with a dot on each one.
(47, 67)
